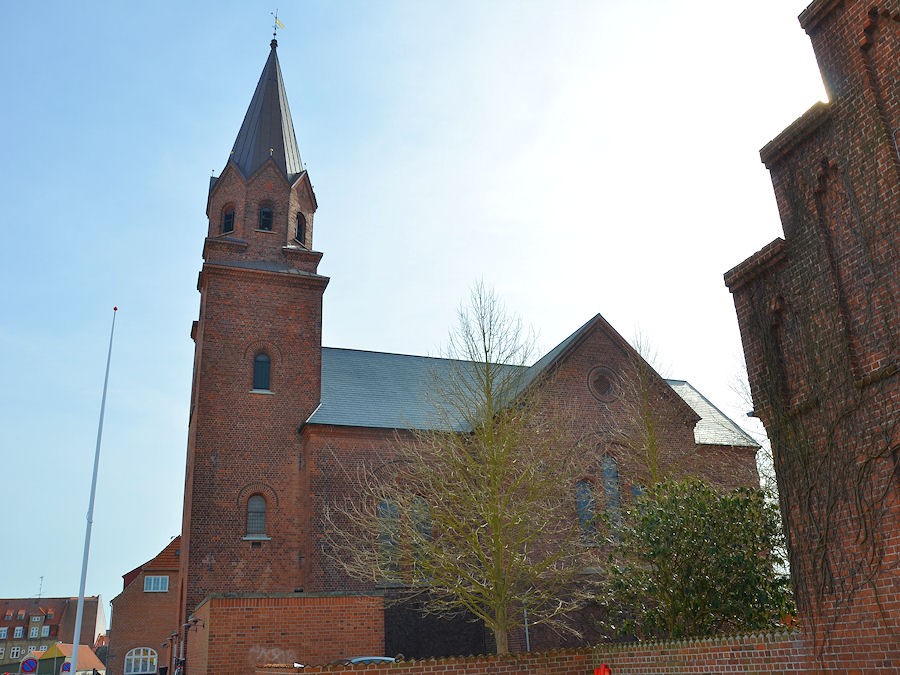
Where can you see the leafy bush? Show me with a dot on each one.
(694, 561)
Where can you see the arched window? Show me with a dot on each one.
(420, 513)
(611, 489)
(584, 505)
(256, 516)
(139, 661)
(262, 371)
(388, 530)
(300, 236)
(422, 530)
(228, 221)
(265, 219)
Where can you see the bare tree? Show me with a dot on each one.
(645, 423)
(765, 464)
(477, 514)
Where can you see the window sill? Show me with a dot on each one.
(257, 537)
(262, 391)
(266, 231)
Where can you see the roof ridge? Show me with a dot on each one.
(416, 356)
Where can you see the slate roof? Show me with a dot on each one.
(267, 129)
(714, 427)
(395, 391)
(381, 390)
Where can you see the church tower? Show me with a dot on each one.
(257, 361)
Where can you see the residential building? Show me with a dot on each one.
(145, 614)
(35, 624)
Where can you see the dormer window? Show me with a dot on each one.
(228, 221)
(301, 229)
(265, 219)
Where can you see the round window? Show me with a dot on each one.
(602, 383)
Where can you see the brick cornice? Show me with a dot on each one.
(770, 255)
(776, 149)
(817, 11)
(299, 253)
(224, 269)
(226, 243)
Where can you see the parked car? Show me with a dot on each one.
(362, 660)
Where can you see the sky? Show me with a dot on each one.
(577, 156)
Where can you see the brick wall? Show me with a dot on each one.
(819, 313)
(333, 455)
(771, 653)
(145, 619)
(235, 634)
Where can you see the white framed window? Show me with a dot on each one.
(33, 631)
(18, 632)
(156, 584)
(36, 619)
(45, 631)
(44, 647)
(32, 648)
(4, 632)
(14, 652)
(139, 661)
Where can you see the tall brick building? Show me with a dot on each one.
(819, 313)
(278, 425)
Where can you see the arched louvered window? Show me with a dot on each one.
(300, 236)
(584, 505)
(265, 219)
(262, 371)
(140, 661)
(256, 516)
(228, 221)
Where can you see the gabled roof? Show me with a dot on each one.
(87, 659)
(398, 391)
(267, 130)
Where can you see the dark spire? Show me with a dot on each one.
(267, 129)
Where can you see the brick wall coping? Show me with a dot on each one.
(286, 596)
(598, 651)
(775, 150)
(819, 9)
(756, 264)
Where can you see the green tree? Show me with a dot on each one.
(696, 562)
(477, 514)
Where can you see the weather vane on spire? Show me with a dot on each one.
(277, 24)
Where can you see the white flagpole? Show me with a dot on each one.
(90, 514)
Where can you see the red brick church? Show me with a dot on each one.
(278, 422)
